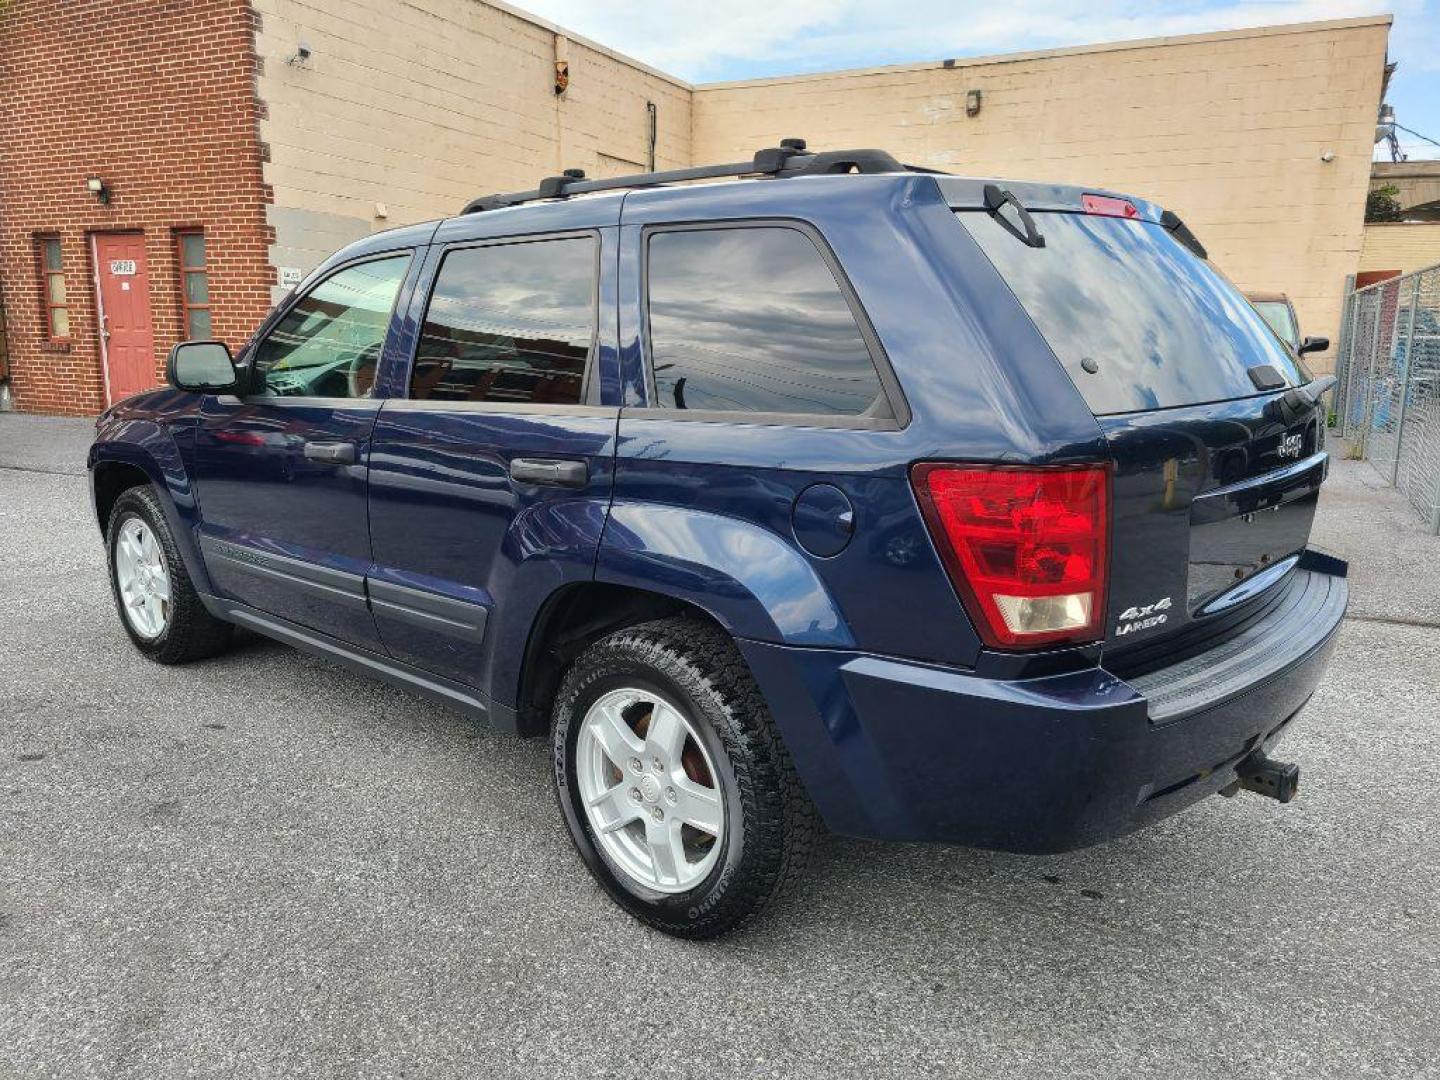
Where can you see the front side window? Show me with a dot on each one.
(194, 286)
(1281, 319)
(328, 344)
(753, 320)
(52, 285)
(509, 323)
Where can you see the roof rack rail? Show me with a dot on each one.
(790, 158)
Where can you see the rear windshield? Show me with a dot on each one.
(1158, 326)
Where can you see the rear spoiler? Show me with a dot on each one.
(1177, 228)
(971, 193)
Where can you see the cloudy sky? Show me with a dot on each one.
(709, 40)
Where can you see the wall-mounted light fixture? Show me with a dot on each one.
(972, 102)
(96, 187)
(300, 57)
(1327, 156)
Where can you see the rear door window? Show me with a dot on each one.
(509, 323)
(752, 320)
(1137, 320)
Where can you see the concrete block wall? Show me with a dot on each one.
(196, 115)
(417, 108)
(1227, 129)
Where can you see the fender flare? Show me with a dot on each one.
(149, 447)
(748, 579)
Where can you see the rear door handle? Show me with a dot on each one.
(331, 453)
(558, 472)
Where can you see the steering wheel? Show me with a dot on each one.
(430, 373)
(361, 373)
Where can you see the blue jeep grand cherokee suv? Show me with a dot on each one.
(939, 508)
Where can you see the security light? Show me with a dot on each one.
(96, 187)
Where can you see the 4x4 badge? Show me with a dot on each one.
(1142, 618)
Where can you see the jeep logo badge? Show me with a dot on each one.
(1290, 445)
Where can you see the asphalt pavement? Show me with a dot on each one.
(265, 866)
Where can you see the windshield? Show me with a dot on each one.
(1138, 321)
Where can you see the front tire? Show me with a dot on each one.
(673, 781)
(157, 603)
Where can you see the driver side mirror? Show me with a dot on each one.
(1313, 344)
(201, 367)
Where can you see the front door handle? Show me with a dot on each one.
(559, 472)
(331, 453)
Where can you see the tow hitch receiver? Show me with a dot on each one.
(1279, 780)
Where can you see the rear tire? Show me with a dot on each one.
(686, 678)
(156, 601)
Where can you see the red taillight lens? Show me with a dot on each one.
(1108, 206)
(1027, 549)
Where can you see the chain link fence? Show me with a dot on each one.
(1388, 398)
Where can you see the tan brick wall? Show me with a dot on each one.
(422, 106)
(1225, 129)
(1402, 246)
(160, 108)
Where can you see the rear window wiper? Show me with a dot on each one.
(1297, 402)
(1178, 229)
(996, 199)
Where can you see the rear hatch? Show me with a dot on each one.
(1217, 458)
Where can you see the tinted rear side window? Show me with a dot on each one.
(753, 320)
(510, 323)
(1162, 327)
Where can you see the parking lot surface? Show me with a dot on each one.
(265, 866)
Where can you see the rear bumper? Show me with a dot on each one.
(895, 750)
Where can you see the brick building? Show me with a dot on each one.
(154, 102)
(235, 143)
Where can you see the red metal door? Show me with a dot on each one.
(129, 345)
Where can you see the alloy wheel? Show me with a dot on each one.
(143, 579)
(650, 790)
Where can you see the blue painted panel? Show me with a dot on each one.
(446, 517)
(887, 585)
(155, 439)
(755, 583)
(258, 490)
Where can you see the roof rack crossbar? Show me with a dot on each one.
(787, 159)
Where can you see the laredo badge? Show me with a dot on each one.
(1142, 618)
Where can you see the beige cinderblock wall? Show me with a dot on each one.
(1226, 129)
(423, 105)
(420, 106)
(1401, 245)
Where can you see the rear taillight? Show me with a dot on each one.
(1108, 206)
(1027, 548)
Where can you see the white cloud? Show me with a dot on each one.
(703, 39)
(707, 40)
